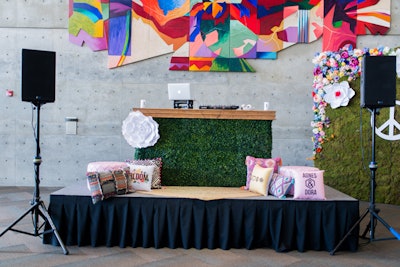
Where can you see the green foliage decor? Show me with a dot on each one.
(347, 154)
(343, 148)
(208, 152)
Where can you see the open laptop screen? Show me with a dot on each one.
(179, 91)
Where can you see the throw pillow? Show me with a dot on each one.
(291, 170)
(104, 166)
(309, 185)
(107, 183)
(94, 187)
(259, 180)
(157, 163)
(102, 185)
(141, 177)
(288, 170)
(266, 163)
(280, 185)
(122, 181)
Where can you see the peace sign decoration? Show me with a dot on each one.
(388, 129)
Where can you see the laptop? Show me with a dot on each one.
(179, 91)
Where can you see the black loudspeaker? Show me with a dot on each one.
(38, 76)
(378, 81)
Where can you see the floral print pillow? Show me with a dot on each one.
(141, 177)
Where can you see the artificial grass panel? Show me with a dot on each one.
(208, 152)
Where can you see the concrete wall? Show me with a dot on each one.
(101, 98)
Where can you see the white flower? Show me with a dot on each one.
(338, 94)
(358, 52)
(140, 131)
(386, 50)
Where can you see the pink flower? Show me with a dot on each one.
(344, 54)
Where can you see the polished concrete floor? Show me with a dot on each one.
(18, 249)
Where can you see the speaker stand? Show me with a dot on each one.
(38, 208)
(372, 210)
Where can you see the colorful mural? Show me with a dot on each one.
(219, 35)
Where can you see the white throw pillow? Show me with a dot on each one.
(141, 177)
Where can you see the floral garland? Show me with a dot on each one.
(332, 69)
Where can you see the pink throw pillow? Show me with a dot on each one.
(104, 166)
(309, 185)
(289, 171)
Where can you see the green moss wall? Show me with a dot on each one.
(346, 157)
(208, 152)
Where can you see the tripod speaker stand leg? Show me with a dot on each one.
(349, 232)
(373, 166)
(45, 214)
(38, 209)
(391, 229)
(368, 227)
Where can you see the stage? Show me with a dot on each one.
(176, 217)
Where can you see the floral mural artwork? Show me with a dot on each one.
(332, 73)
(219, 35)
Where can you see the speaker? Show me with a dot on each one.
(38, 76)
(378, 81)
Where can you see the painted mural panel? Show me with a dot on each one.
(219, 35)
(88, 23)
(345, 19)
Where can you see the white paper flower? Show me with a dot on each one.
(140, 131)
(338, 94)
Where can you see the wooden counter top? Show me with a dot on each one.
(208, 114)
